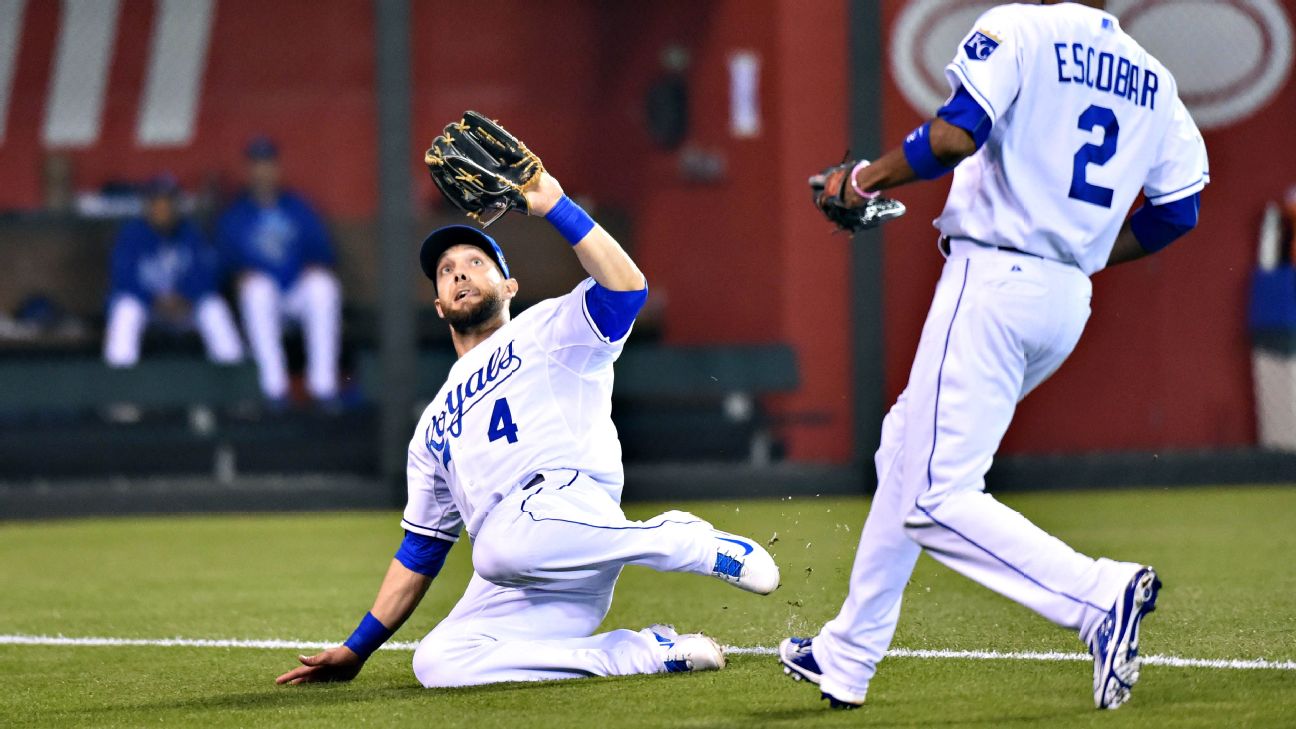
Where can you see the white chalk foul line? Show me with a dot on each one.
(1153, 660)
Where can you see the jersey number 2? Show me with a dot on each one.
(1094, 154)
(501, 422)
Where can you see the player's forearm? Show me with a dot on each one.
(401, 592)
(1127, 247)
(599, 253)
(607, 262)
(949, 145)
(891, 170)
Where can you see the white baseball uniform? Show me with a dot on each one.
(1083, 119)
(519, 449)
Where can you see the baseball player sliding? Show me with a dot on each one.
(518, 449)
(1056, 121)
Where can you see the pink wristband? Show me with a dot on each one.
(854, 171)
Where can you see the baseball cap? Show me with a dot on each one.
(261, 147)
(442, 239)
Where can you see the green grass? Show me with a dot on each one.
(1225, 555)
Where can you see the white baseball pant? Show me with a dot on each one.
(128, 317)
(315, 300)
(545, 563)
(1000, 323)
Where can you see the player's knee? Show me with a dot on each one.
(322, 287)
(256, 287)
(442, 663)
(506, 566)
(918, 523)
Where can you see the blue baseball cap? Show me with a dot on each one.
(443, 239)
(261, 147)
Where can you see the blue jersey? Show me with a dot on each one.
(146, 264)
(279, 240)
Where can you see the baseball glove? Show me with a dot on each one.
(828, 190)
(481, 168)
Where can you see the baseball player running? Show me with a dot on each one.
(518, 449)
(1056, 121)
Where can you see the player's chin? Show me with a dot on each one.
(472, 312)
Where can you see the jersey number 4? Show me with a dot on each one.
(501, 422)
(1095, 154)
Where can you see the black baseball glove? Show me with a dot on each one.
(481, 168)
(828, 190)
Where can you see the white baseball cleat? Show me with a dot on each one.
(689, 652)
(740, 561)
(744, 563)
(1115, 644)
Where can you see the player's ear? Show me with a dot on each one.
(436, 303)
(510, 288)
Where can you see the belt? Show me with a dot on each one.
(945, 241)
(1010, 249)
(536, 479)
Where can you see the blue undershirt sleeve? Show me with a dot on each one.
(614, 312)
(1157, 226)
(423, 554)
(965, 113)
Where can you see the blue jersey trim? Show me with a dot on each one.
(1199, 181)
(448, 536)
(423, 554)
(964, 112)
(1157, 226)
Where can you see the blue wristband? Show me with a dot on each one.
(570, 221)
(368, 636)
(918, 151)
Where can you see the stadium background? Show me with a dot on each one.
(716, 214)
(753, 386)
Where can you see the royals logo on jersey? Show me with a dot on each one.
(980, 46)
(461, 397)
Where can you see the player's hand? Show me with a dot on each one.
(834, 195)
(543, 195)
(334, 664)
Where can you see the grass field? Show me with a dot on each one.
(1226, 556)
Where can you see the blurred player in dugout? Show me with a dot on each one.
(278, 250)
(165, 274)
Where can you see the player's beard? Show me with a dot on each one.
(468, 320)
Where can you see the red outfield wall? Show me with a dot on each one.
(744, 259)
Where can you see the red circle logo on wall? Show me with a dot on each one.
(1230, 57)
